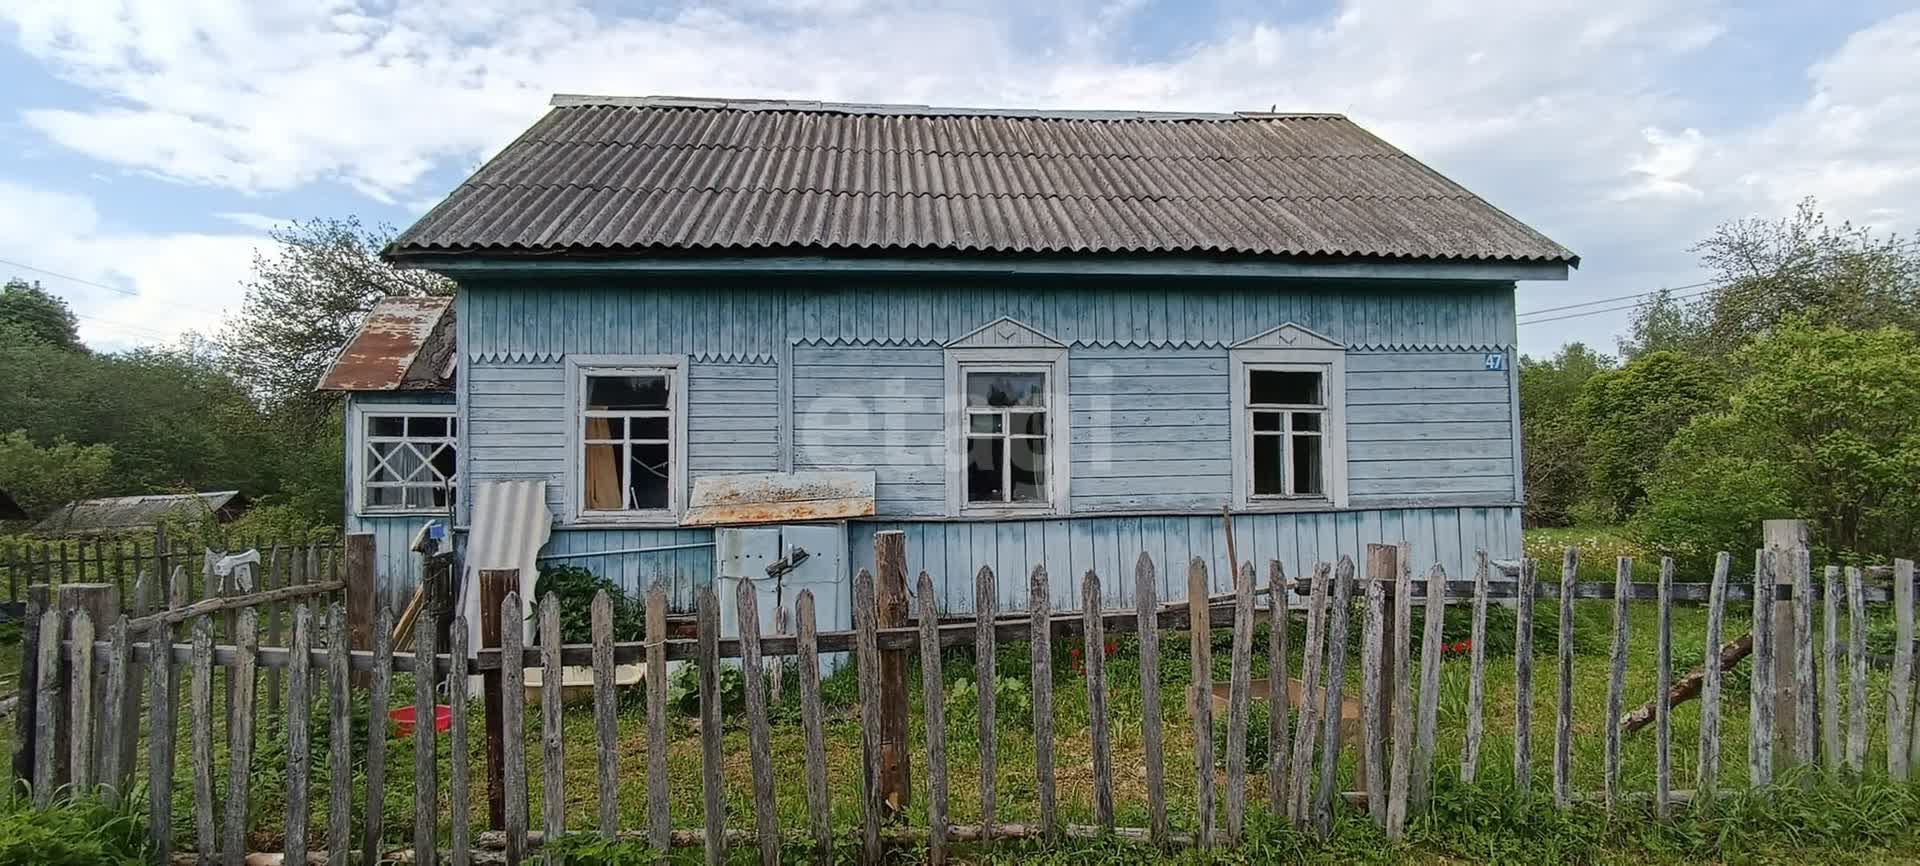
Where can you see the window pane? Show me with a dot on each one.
(1266, 421)
(386, 425)
(1283, 386)
(1030, 423)
(647, 428)
(984, 423)
(419, 497)
(1268, 479)
(1306, 466)
(444, 461)
(606, 428)
(385, 462)
(1006, 389)
(1306, 422)
(1029, 469)
(427, 426)
(385, 497)
(649, 476)
(985, 458)
(605, 478)
(627, 392)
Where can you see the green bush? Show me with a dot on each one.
(78, 832)
(575, 588)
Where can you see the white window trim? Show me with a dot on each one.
(357, 454)
(578, 368)
(1332, 363)
(1053, 362)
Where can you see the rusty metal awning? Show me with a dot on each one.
(779, 497)
(405, 344)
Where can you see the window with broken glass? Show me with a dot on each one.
(1287, 417)
(409, 461)
(627, 441)
(1007, 436)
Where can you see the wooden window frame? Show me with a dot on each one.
(578, 368)
(359, 462)
(1331, 364)
(997, 359)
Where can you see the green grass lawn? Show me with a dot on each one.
(1485, 823)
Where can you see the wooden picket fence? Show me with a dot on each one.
(122, 560)
(1303, 784)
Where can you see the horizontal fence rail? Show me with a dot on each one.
(1360, 733)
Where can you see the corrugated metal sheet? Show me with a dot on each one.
(510, 525)
(404, 344)
(129, 513)
(666, 174)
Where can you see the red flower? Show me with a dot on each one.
(1461, 646)
(1112, 647)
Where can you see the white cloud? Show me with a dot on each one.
(159, 284)
(256, 221)
(1579, 118)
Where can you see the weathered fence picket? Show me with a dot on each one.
(986, 651)
(1900, 681)
(1707, 776)
(1306, 733)
(1094, 651)
(1200, 695)
(1279, 589)
(1523, 681)
(1401, 776)
(759, 738)
(933, 688)
(1040, 638)
(1239, 700)
(1563, 716)
(1146, 585)
(1434, 620)
(299, 739)
(1332, 714)
(819, 810)
(1477, 682)
(1380, 567)
(1832, 737)
(605, 723)
(1617, 679)
(1663, 684)
(1857, 664)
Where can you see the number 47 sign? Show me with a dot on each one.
(1496, 361)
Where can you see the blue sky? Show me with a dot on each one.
(154, 143)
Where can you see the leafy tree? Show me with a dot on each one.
(1631, 413)
(1766, 270)
(1820, 426)
(43, 479)
(26, 309)
(1554, 440)
(304, 302)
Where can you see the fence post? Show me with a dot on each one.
(495, 585)
(1788, 537)
(29, 680)
(890, 605)
(101, 601)
(362, 584)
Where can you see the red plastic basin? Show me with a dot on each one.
(403, 719)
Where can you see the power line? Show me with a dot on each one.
(1585, 313)
(69, 277)
(1618, 298)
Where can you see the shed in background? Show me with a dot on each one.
(117, 514)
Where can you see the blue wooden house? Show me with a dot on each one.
(1057, 338)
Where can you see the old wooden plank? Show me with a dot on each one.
(1857, 663)
(1040, 607)
(240, 738)
(274, 576)
(513, 725)
(1477, 679)
(459, 781)
(1336, 679)
(114, 772)
(659, 825)
(1239, 701)
(1804, 695)
(712, 784)
(1523, 679)
(890, 612)
(160, 745)
(1429, 711)
(1760, 690)
(299, 738)
(25, 753)
(379, 693)
(1307, 731)
(1279, 589)
(553, 784)
(1707, 775)
(50, 707)
(426, 761)
(1095, 652)
(933, 694)
(1381, 565)
(339, 737)
(1900, 681)
(867, 667)
(759, 738)
(201, 703)
(1400, 779)
(1563, 716)
(1832, 735)
(81, 697)
(125, 757)
(819, 805)
(1663, 684)
(1200, 697)
(1617, 679)
(986, 607)
(605, 722)
(1146, 585)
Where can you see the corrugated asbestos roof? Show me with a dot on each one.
(127, 513)
(405, 344)
(671, 175)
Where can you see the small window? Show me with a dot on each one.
(407, 461)
(1287, 419)
(627, 441)
(1006, 440)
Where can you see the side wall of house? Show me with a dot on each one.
(396, 566)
